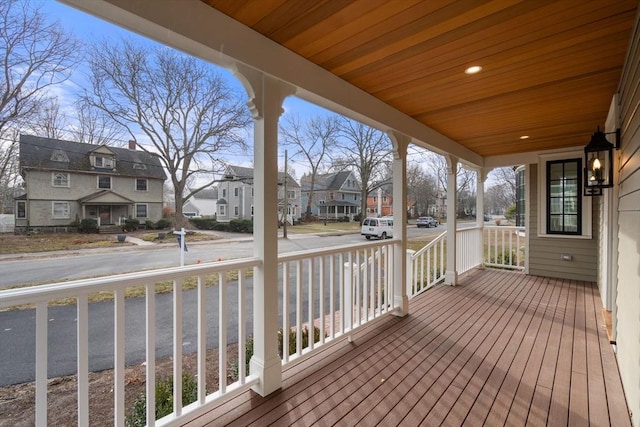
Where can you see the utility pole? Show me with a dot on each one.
(285, 206)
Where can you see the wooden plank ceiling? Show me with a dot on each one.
(550, 67)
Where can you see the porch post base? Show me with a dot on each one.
(451, 278)
(401, 305)
(270, 374)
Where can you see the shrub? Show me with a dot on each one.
(203, 223)
(163, 223)
(292, 347)
(131, 225)
(164, 400)
(88, 225)
(149, 225)
(241, 226)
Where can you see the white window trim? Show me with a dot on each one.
(67, 213)
(222, 210)
(587, 232)
(146, 209)
(18, 202)
(135, 184)
(53, 180)
(104, 176)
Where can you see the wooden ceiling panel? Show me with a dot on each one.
(551, 67)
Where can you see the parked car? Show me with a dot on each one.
(426, 221)
(380, 228)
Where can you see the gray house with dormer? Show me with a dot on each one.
(334, 195)
(68, 181)
(236, 193)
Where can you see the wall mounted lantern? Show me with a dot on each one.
(598, 161)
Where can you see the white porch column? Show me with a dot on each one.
(401, 300)
(451, 274)
(266, 95)
(481, 177)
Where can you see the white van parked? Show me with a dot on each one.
(380, 228)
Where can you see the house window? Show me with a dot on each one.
(235, 191)
(224, 192)
(235, 210)
(251, 210)
(59, 156)
(141, 210)
(104, 162)
(564, 198)
(222, 210)
(291, 194)
(343, 197)
(104, 182)
(60, 210)
(251, 191)
(21, 209)
(141, 184)
(60, 179)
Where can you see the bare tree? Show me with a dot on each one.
(506, 178)
(312, 139)
(365, 150)
(179, 103)
(49, 122)
(93, 126)
(34, 55)
(422, 189)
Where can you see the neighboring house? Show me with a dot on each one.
(203, 203)
(235, 195)
(335, 195)
(380, 201)
(67, 181)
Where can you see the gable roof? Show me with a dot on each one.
(330, 181)
(244, 173)
(56, 154)
(206, 194)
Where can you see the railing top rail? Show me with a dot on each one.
(429, 245)
(505, 227)
(298, 255)
(33, 294)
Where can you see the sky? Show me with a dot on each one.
(89, 28)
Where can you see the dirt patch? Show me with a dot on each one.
(17, 402)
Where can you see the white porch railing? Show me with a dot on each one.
(426, 267)
(202, 276)
(336, 290)
(328, 293)
(504, 247)
(468, 249)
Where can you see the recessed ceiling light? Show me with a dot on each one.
(524, 137)
(473, 69)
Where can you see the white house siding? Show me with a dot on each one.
(545, 252)
(628, 295)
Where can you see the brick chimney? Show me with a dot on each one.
(132, 144)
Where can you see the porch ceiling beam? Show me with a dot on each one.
(194, 27)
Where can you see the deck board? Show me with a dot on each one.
(502, 348)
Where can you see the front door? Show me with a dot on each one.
(105, 214)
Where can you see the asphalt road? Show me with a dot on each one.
(17, 328)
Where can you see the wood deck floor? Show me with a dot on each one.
(502, 348)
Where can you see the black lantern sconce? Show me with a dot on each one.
(598, 161)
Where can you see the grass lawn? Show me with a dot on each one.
(321, 227)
